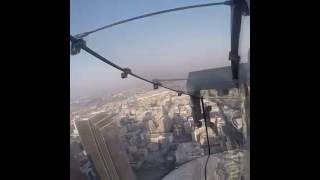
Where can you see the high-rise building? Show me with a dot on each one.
(75, 173)
(100, 138)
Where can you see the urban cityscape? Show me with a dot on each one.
(192, 122)
(150, 134)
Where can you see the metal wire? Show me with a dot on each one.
(87, 49)
(81, 35)
(208, 143)
(95, 54)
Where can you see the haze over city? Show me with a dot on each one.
(165, 46)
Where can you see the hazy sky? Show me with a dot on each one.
(164, 46)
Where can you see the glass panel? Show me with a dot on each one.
(124, 129)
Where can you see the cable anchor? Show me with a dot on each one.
(156, 83)
(125, 73)
(76, 46)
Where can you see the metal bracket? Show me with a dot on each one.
(125, 73)
(156, 83)
(76, 46)
(235, 60)
(245, 11)
(155, 86)
(234, 57)
(236, 15)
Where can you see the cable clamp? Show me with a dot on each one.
(156, 83)
(243, 5)
(234, 57)
(76, 46)
(125, 73)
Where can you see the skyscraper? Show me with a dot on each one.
(75, 173)
(100, 138)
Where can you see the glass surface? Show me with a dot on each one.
(124, 128)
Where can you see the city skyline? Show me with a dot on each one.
(157, 130)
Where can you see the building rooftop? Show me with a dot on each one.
(216, 78)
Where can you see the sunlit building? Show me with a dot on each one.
(100, 138)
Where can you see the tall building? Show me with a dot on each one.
(75, 173)
(100, 138)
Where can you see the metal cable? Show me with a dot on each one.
(95, 54)
(81, 35)
(208, 143)
(87, 49)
